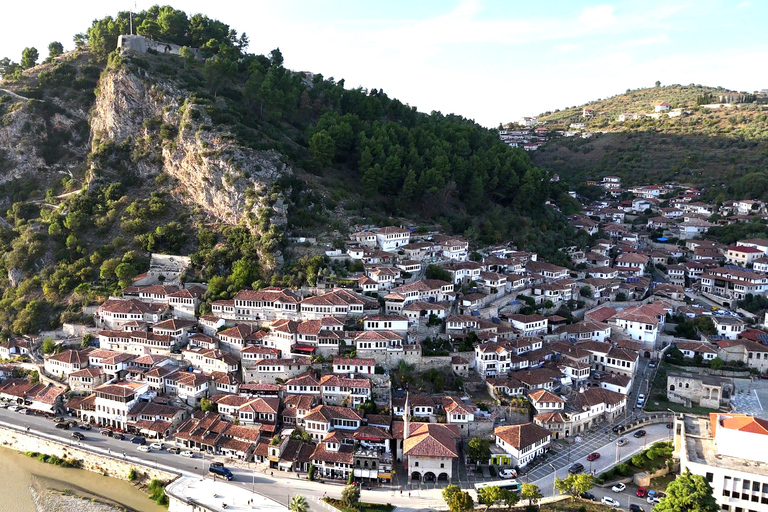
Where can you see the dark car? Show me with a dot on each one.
(576, 468)
(77, 435)
(107, 432)
(119, 437)
(63, 426)
(174, 450)
(639, 433)
(85, 426)
(222, 472)
(588, 496)
(138, 440)
(635, 508)
(217, 464)
(619, 428)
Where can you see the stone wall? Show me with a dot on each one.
(103, 464)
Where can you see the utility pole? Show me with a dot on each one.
(554, 478)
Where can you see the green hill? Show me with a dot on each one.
(196, 146)
(704, 147)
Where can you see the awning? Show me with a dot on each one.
(385, 476)
(303, 348)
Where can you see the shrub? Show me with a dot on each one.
(311, 473)
(132, 475)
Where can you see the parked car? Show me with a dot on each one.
(174, 450)
(640, 399)
(576, 468)
(652, 500)
(187, 453)
(139, 440)
(622, 441)
(28, 412)
(221, 471)
(619, 487)
(639, 433)
(3, 405)
(59, 420)
(143, 448)
(157, 446)
(607, 500)
(641, 492)
(635, 508)
(13, 408)
(85, 426)
(77, 435)
(119, 437)
(593, 456)
(63, 426)
(587, 496)
(652, 364)
(507, 473)
(106, 432)
(619, 428)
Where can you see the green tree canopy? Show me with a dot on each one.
(298, 504)
(575, 484)
(531, 493)
(478, 450)
(29, 58)
(350, 495)
(688, 493)
(55, 49)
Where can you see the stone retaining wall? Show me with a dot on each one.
(98, 463)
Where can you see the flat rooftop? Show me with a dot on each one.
(701, 448)
(219, 496)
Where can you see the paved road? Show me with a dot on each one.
(277, 485)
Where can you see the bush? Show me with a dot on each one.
(623, 469)
(157, 492)
(132, 475)
(311, 473)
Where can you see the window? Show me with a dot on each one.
(710, 477)
(416, 463)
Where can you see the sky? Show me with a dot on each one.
(491, 61)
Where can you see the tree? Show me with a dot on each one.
(125, 271)
(206, 405)
(717, 363)
(586, 291)
(490, 495)
(322, 149)
(478, 450)
(48, 346)
(8, 67)
(531, 493)
(29, 58)
(575, 484)
(87, 339)
(688, 493)
(219, 73)
(54, 50)
(187, 55)
(456, 499)
(509, 497)
(350, 495)
(299, 504)
(658, 83)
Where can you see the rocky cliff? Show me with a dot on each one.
(168, 132)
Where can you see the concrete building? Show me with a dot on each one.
(702, 390)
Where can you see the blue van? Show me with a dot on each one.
(222, 472)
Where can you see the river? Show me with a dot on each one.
(22, 474)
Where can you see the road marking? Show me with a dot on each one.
(758, 399)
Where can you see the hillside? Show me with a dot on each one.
(108, 154)
(702, 147)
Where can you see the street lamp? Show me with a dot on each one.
(554, 478)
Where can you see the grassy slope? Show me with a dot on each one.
(703, 147)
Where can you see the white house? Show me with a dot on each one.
(522, 442)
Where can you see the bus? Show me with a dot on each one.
(512, 484)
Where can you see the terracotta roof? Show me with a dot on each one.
(430, 440)
(542, 395)
(520, 436)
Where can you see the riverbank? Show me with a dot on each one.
(39, 487)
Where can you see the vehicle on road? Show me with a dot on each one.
(587, 496)
(576, 468)
(157, 446)
(652, 500)
(619, 487)
(143, 448)
(622, 441)
(640, 400)
(633, 507)
(119, 437)
(652, 364)
(217, 464)
(641, 492)
(139, 440)
(639, 433)
(77, 435)
(187, 453)
(174, 450)
(13, 408)
(593, 456)
(607, 500)
(619, 428)
(85, 426)
(106, 432)
(222, 472)
(63, 426)
(512, 484)
(3, 405)
(507, 473)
